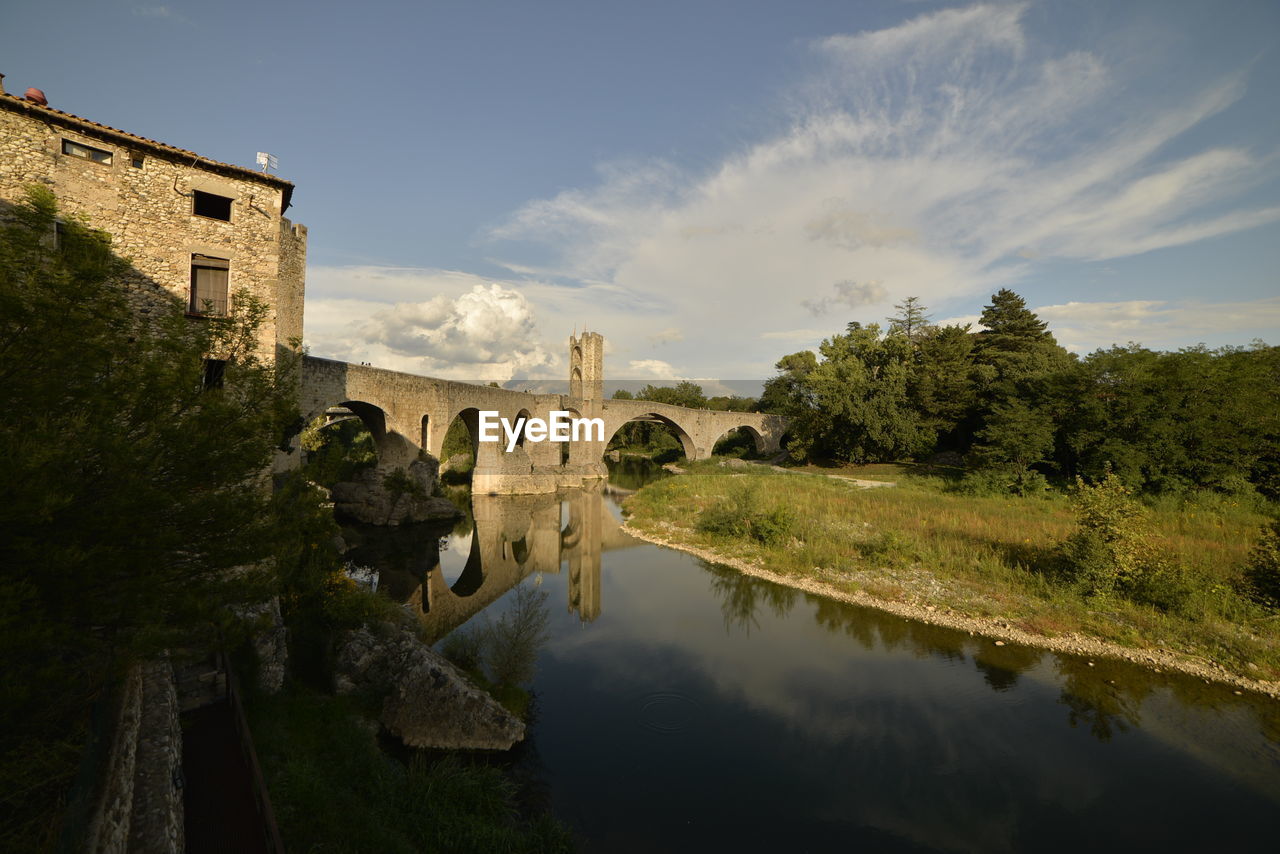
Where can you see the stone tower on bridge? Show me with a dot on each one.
(586, 366)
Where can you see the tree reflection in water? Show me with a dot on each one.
(741, 596)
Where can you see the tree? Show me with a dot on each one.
(135, 500)
(910, 321)
(1008, 318)
(1016, 343)
(854, 404)
(786, 393)
(942, 387)
(1016, 366)
(683, 393)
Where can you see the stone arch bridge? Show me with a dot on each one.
(407, 413)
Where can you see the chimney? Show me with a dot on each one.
(35, 96)
(1, 84)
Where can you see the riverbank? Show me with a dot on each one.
(870, 548)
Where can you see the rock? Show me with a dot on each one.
(999, 643)
(270, 642)
(427, 701)
(455, 462)
(368, 499)
(614, 456)
(735, 463)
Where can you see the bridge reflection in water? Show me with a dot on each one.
(513, 537)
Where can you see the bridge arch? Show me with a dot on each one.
(460, 435)
(751, 433)
(687, 444)
(392, 449)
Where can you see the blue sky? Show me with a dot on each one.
(712, 185)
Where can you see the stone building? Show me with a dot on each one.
(192, 227)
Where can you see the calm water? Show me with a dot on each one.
(683, 707)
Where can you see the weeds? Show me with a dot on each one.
(741, 514)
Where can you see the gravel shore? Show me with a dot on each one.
(990, 627)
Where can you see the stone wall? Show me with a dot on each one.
(143, 198)
(140, 806)
(290, 293)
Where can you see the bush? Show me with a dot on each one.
(1111, 549)
(501, 654)
(1000, 481)
(889, 548)
(1262, 575)
(740, 516)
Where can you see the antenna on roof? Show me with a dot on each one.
(267, 161)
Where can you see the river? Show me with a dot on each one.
(681, 706)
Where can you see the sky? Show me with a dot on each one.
(712, 184)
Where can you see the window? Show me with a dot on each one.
(135, 161)
(212, 206)
(215, 370)
(97, 155)
(209, 285)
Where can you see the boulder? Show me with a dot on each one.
(427, 701)
(370, 500)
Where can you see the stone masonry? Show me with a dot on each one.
(142, 193)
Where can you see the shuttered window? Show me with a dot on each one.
(209, 278)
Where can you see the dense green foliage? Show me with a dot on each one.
(337, 451)
(1021, 409)
(333, 789)
(1262, 576)
(136, 510)
(741, 515)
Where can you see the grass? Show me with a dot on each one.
(977, 556)
(313, 746)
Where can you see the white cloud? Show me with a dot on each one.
(1159, 324)
(645, 369)
(441, 323)
(948, 156)
(489, 332)
(943, 158)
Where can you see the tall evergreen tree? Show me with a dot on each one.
(1016, 359)
(910, 320)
